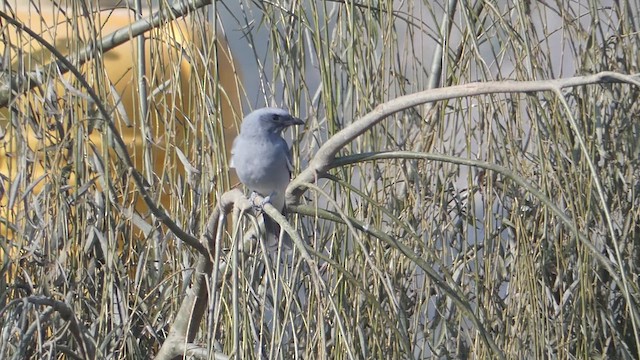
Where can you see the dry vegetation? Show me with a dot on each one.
(436, 218)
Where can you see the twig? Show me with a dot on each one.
(321, 162)
(120, 147)
(324, 159)
(194, 305)
(21, 83)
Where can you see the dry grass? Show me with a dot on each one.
(498, 224)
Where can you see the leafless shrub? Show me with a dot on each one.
(467, 188)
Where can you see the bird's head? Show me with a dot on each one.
(268, 120)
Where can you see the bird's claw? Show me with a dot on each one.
(266, 200)
(252, 200)
(259, 207)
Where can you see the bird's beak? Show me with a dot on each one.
(294, 121)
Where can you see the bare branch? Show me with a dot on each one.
(194, 304)
(119, 145)
(67, 314)
(321, 162)
(16, 84)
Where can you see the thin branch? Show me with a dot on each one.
(194, 305)
(11, 86)
(323, 159)
(120, 147)
(517, 179)
(67, 314)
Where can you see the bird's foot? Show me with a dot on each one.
(252, 200)
(266, 200)
(259, 207)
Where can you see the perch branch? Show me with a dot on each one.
(194, 305)
(323, 159)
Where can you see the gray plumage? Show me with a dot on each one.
(261, 156)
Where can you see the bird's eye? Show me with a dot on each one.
(275, 117)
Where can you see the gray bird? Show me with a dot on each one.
(261, 156)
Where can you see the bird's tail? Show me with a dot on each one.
(273, 232)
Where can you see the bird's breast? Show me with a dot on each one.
(260, 165)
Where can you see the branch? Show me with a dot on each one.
(194, 305)
(12, 84)
(321, 162)
(66, 312)
(325, 159)
(119, 145)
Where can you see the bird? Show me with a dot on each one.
(262, 158)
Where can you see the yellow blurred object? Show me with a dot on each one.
(54, 144)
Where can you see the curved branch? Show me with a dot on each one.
(79, 332)
(321, 162)
(518, 180)
(194, 305)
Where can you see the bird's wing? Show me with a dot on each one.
(287, 150)
(233, 150)
(289, 161)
